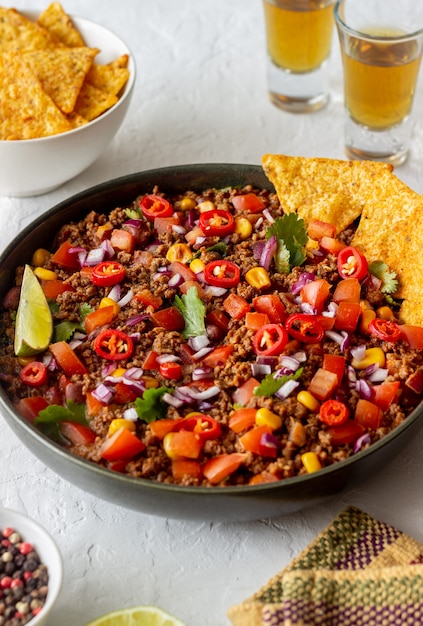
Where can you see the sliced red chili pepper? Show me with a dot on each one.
(170, 370)
(352, 263)
(217, 223)
(222, 273)
(385, 329)
(304, 328)
(204, 425)
(333, 412)
(113, 344)
(34, 374)
(154, 206)
(270, 340)
(108, 273)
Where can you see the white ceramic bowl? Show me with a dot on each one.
(47, 550)
(31, 167)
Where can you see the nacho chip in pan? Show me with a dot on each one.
(62, 72)
(92, 102)
(26, 111)
(18, 33)
(110, 77)
(60, 26)
(330, 190)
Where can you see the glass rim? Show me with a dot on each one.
(367, 36)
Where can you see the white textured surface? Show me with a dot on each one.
(200, 97)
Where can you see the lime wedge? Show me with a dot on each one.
(137, 616)
(34, 323)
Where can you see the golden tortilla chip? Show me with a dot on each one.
(60, 26)
(111, 77)
(330, 190)
(26, 111)
(62, 72)
(18, 33)
(76, 120)
(92, 102)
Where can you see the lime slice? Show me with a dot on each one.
(34, 323)
(137, 616)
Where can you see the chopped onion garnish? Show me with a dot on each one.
(300, 356)
(137, 386)
(258, 247)
(94, 257)
(134, 372)
(201, 353)
(267, 214)
(103, 393)
(136, 319)
(192, 394)
(198, 342)
(82, 255)
(286, 389)
(177, 228)
(131, 414)
(379, 375)
(268, 251)
(172, 400)
(308, 309)
(201, 373)
(216, 291)
(364, 389)
(47, 359)
(290, 362)
(167, 358)
(351, 376)
(362, 441)
(359, 352)
(342, 338)
(269, 442)
(75, 343)
(126, 298)
(268, 360)
(259, 223)
(260, 369)
(304, 278)
(109, 251)
(114, 293)
(175, 280)
(200, 240)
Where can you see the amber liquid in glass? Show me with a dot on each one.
(299, 33)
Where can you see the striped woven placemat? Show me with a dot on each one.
(357, 572)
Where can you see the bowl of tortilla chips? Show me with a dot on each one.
(65, 88)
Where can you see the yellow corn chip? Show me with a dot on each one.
(76, 120)
(18, 33)
(111, 77)
(61, 72)
(60, 26)
(26, 111)
(92, 102)
(330, 190)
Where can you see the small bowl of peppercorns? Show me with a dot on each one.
(31, 570)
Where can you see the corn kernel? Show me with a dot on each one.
(109, 302)
(150, 382)
(372, 356)
(39, 257)
(386, 313)
(179, 252)
(258, 277)
(119, 371)
(205, 206)
(366, 317)
(309, 401)
(167, 446)
(197, 266)
(25, 360)
(186, 204)
(243, 228)
(264, 417)
(119, 423)
(43, 274)
(104, 230)
(311, 462)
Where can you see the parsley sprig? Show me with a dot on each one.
(291, 236)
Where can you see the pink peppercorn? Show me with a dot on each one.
(37, 610)
(6, 543)
(26, 548)
(16, 582)
(6, 532)
(27, 576)
(5, 582)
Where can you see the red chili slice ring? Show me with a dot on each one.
(204, 425)
(352, 263)
(34, 374)
(153, 206)
(108, 273)
(333, 412)
(270, 340)
(304, 328)
(222, 273)
(217, 223)
(113, 345)
(385, 329)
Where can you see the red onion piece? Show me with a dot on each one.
(172, 400)
(268, 360)
(201, 353)
(286, 389)
(260, 369)
(201, 373)
(362, 441)
(290, 363)
(192, 394)
(126, 298)
(308, 309)
(178, 229)
(167, 358)
(175, 280)
(268, 251)
(216, 291)
(379, 375)
(136, 386)
(198, 342)
(114, 293)
(415, 381)
(135, 373)
(364, 389)
(131, 414)
(103, 393)
(269, 445)
(258, 247)
(267, 214)
(136, 319)
(303, 279)
(109, 251)
(359, 352)
(342, 338)
(94, 257)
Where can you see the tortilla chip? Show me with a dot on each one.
(26, 111)
(60, 26)
(19, 33)
(330, 190)
(76, 120)
(111, 77)
(92, 102)
(62, 72)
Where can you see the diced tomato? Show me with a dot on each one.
(66, 358)
(193, 235)
(170, 318)
(183, 443)
(165, 224)
(332, 245)
(100, 317)
(272, 306)
(218, 356)
(54, 288)
(317, 229)
(218, 318)
(334, 363)
(368, 414)
(254, 321)
(171, 370)
(183, 270)
(160, 428)
(148, 299)
(63, 258)
(77, 434)
(347, 290)
(323, 384)
(92, 405)
(122, 445)
(315, 293)
(236, 306)
(326, 322)
(122, 240)
(248, 202)
(221, 466)
(30, 407)
(150, 361)
(262, 478)
(251, 440)
(385, 393)
(241, 419)
(347, 316)
(54, 395)
(245, 392)
(415, 381)
(348, 432)
(413, 335)
(182, 468)
(123, 394)
(186, 285)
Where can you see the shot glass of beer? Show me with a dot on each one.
(299, 37)
(381, 44)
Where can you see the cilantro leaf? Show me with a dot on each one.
(271, 383)
(291, 235)
(387, 276)
(151, 406)
(133, 214)
(193, 311)
(220, 247)
(64, 330)
(48, 420)
(84, 310)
